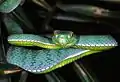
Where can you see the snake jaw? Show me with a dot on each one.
(64, 39)
(64, 43)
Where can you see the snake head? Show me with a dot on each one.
(64, 39)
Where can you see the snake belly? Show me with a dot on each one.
(31, 40)
(9, 5)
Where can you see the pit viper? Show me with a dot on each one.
(62, 48)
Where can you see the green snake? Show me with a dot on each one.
(60, 49)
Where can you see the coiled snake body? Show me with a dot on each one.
(64, 47)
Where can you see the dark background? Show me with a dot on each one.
(103, 65)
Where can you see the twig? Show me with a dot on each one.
(23, 76)
(83, 73)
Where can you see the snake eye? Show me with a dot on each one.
(56, 32)
(69, 36)
(56, 36)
